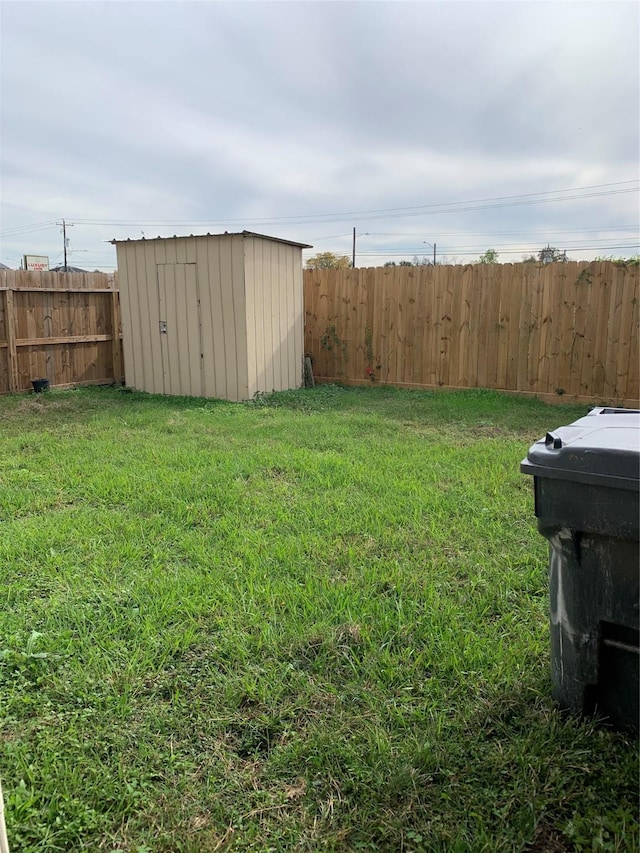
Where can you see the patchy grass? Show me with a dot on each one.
(317, 621)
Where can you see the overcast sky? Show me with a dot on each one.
(301, 119)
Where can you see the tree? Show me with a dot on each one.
(328, 261)
(633, 261)
(547, 255)
(416, 262)
(489, 257)
(550, 253)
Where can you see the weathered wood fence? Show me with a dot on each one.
(560, 331)
(60, 327)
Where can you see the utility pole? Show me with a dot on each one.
(65, 225)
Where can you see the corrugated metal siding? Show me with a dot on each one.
(233, 309)
(222, 308)
(273, 277)
(140, 317)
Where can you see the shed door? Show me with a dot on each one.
(180, 329)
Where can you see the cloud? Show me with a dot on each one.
(225, 111)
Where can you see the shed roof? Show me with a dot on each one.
(226, 234)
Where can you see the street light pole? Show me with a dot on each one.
(427, 243)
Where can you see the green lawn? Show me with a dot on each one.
(317, 621)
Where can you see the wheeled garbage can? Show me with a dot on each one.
(586, 489)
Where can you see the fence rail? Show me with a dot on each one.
(559, 331)
(64, 327)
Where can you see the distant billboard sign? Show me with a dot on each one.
(36, 263)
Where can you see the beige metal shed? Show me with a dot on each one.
(218, 315)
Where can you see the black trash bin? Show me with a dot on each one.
(586, 487)
(40, 385)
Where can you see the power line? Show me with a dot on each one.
(23, 229)
(495, 206)
(420, 248)
(449, 250)
(403, 250)
(408, 249)
(388, 213)
(401, 235)
(326, 218)
(333, 236)
(376, 213)
(543, 231)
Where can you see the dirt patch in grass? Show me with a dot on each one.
(489, 431)
(38, 403)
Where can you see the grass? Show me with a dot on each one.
(317, 621)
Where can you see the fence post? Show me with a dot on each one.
(12, 353)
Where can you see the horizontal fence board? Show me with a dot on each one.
(59, 289)
(71, 339)
(57, 280)
(567, 331)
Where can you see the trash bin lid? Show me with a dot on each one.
(603, 447)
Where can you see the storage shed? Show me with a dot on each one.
(218, 315)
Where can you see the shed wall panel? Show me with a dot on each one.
(254, 326)
(153, 351)
(221, 276)
(213, 345)
(149, 375)
(240, 316)
(131, 348)
(295, 318)
(273, 274)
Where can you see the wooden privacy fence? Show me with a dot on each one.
(560, 331)
(64, 327)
